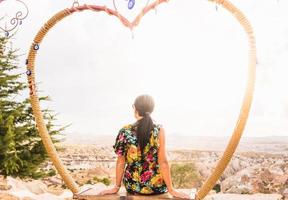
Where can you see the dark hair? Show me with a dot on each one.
(144, 105)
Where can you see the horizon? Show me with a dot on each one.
(272, 144)
(170, 135)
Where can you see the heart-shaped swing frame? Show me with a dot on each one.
(243, 115)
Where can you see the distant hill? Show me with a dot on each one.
(272, 144)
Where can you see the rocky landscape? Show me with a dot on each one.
(255, 172)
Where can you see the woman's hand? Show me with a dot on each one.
(177, 194)
(114, 190)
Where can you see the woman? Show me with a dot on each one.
(141, 147)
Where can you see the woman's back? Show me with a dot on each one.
(141, 147)
(142, 174)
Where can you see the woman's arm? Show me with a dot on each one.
(120, 165)
(163, 161)
(165, 169)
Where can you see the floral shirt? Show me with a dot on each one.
(141, 176)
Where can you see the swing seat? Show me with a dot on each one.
(91, 194)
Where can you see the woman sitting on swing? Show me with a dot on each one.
(141, 147)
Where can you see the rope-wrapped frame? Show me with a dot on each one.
(243, 115)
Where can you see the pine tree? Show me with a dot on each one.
(21, 149)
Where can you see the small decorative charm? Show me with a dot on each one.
(28, 72)
(36, 47)
(26, 62)
(20, 22)
(31, 93)
(32, 88)
(7, 34)
(131, 4)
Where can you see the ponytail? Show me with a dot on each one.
(144, 105)
(144, 128)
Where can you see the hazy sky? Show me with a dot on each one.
(189, 57)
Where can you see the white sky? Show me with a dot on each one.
(189, 57)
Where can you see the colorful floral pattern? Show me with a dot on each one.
(141, 176)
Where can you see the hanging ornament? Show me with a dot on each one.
(75, 3)
(16, 20)
(131, 4)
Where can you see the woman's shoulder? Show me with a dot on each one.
(158, 126)
(156, 129)
(126, 129)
